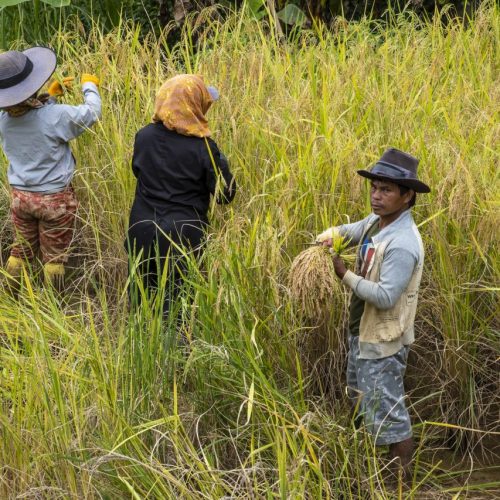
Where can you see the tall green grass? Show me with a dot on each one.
(36, 21)
(98, 401)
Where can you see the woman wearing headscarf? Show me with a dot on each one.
(178, 167)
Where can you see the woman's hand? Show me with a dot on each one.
(57, 88)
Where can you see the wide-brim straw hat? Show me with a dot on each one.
(22, 74)
(398, 167)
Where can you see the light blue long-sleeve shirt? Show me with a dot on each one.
(36, 143)
(401, 256)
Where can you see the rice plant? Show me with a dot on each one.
(101, 400)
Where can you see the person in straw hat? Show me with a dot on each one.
(384, 287)
(178, 168)
(35, 131)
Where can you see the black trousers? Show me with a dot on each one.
(165, 238)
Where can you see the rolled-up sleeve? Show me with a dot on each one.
(71, 121)
(395, 274)
(354, 232)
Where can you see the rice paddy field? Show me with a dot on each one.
(246, 398)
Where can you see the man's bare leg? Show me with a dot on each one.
(402, 453)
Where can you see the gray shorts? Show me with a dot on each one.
(376, 386)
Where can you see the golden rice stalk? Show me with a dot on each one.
(312, 282)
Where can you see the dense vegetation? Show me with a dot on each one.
(326, 10)
(97, 402)
(36, 20)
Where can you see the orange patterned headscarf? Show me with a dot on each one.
(181, 104)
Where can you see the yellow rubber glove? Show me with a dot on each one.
(57, 88)
(87, 77)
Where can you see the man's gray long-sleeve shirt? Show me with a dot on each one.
(36, 143)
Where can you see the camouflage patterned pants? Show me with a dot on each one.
(377, 386)
(43, 222)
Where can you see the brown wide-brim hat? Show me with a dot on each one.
(22, 74)
(398, 167)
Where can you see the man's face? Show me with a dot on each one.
(386, 198)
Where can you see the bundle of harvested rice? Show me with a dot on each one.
(312, 281)
(320, 299)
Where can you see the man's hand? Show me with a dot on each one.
(326, 237)
(339, 266)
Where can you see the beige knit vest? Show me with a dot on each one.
(378, 325)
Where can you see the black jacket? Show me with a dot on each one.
(178, 171)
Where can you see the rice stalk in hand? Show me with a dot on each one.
(312, 280)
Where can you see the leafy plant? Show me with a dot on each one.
(52, 3)
(292, 15)
(257, 8)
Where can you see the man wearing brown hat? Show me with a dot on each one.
(384, 287)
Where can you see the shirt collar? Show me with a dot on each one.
(394, 226)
